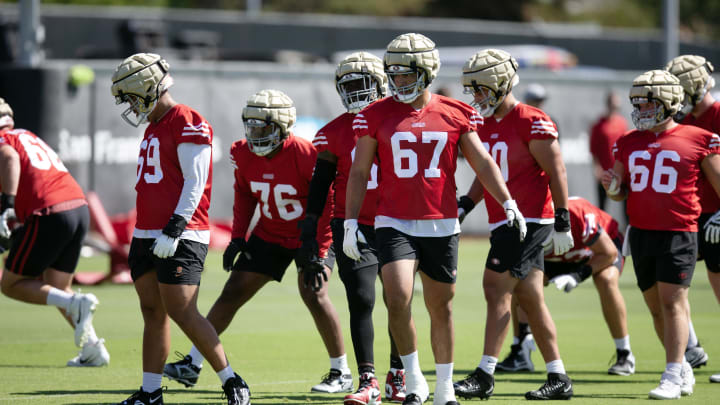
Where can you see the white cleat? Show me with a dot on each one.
(82, 308)
(91, 355)
(669, 388)
(715, 378)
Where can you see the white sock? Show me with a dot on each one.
(92, 336)
(487, 364)
(411, 363)
(674, 369)
(340, 363)
(59, 298)
(516, 340)
(623, 343)
(196, 356)
(226, 374)
(555, 366)
(444, 391)
(414, 379)
(151, 382)
(692, 337)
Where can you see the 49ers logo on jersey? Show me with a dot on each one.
(149, 165)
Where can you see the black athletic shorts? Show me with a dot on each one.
(437, 256)
(48, 241)
(667, 256)
(185, 267)
(508, 253)
(368, 251)
(710, 252)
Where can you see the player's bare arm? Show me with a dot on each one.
(358, 177)
(612, 181)
(547, 154)
(604, 253)
(9, 169)
(487, 171)
(711, 169)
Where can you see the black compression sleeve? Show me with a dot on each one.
(319, 185)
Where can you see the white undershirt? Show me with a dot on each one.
(420, 227)
(195, 162)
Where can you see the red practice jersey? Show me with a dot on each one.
(280, 185)
(338, 138)
(661, 173)
(709, 120)
(417, 151)
(159, 176)
(508, 141)
(44, 180)
(587, 222)
(603, 136)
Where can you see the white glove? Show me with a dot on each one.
(165, 246)
(515, 218)
(351, 239)
(712, 228)
(559, 242)
(7, 215)
(564, 282)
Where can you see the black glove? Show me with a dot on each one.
(465, 205)
(309, 250)
(314, 274)
(235, 247)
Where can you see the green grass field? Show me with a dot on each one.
(274, 346)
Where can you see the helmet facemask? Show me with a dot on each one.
(263, 137)
(488, 102)
(409, 92)
(140, 80)
(357, 91)
(645, 118)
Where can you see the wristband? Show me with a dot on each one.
(6, 201)
(562, 220)
(175, 226)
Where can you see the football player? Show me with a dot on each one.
(359, 80)
(43, 199)
(523, 141)
(171, 236)
(699, 108)
(596, 253)
(273, 169)
(656, 168)
(415, 136)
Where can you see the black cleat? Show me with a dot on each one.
(557, 386)
(183, 371)
(479, 384)
(412, 399)
(236, 391)
(144, 398)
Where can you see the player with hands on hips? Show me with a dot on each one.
(272, 171)
(523, 141)
(657, 167)
(172, 232)
(359, 80)
(415, 136)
